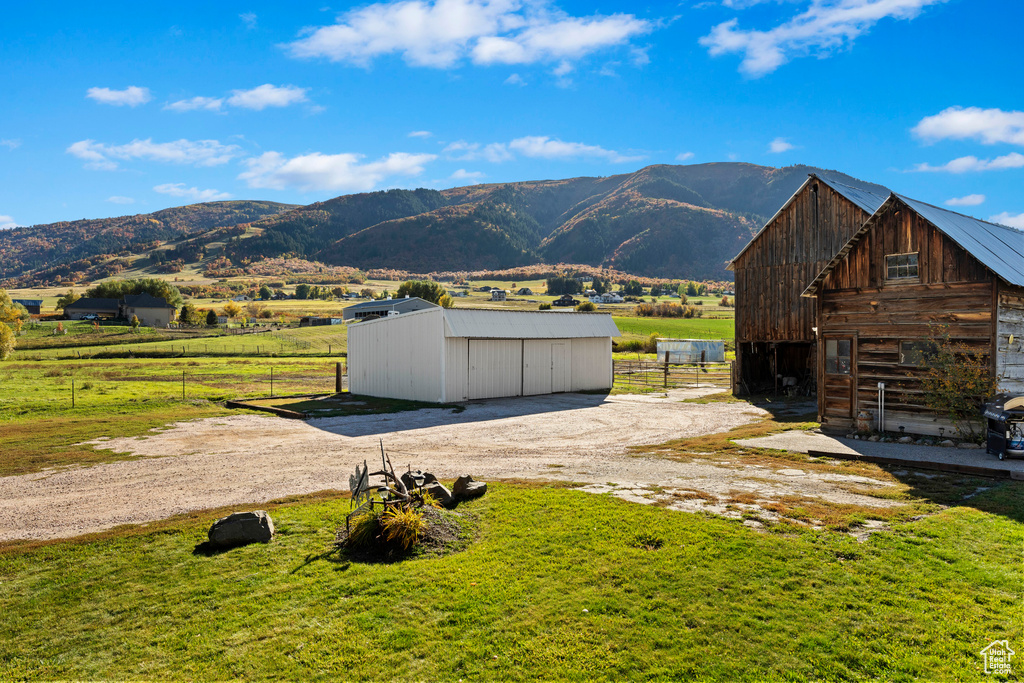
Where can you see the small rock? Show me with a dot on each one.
(874, 437)
(906, 439)
(441, 493)
(465, 488)
(967, 445)
(241, 528)
(948, 443)
(586, 611)
(856, 437)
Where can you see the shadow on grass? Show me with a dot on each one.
(207, 549)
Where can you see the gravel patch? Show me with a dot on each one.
(245, 460)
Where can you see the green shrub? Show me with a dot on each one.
(586, 307)
(364, 529)
(545, 307)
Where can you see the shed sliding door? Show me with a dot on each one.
(495, 368)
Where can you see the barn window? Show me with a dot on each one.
(901, 266)
(837, 356)
(917, 353)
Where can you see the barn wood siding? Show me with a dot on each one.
(953, 296)
(1010, 356)
(787, 255)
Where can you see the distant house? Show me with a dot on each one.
(241, 297)
(607, 298)
(90, 308)
(33, 306)
(525, 291)
(152, 311)
(498, 295)
(382, 308)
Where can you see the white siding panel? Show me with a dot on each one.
(495, 368)
(456, 369)
(591, 364)
(398, 357)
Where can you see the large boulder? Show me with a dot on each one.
(242, 528)
(441, 493)
(465, 488)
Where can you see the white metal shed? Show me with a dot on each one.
(447, 355)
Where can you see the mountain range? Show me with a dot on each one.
(660, 221)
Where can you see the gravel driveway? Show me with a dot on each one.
(250, 459)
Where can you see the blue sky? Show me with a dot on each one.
(134, 107)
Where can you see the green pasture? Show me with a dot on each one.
(557, 585)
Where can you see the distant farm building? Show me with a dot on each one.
(447, 355)
(498, 295)
(33, 306)
(774, 324)
(524, 291)
(691, 350)
(310, 321)
(911, 275)
(152, 311)
(107, 309)
(385, 307)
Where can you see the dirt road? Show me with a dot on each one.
(248, 459)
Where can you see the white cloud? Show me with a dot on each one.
(825, 26)
(249, 19)
(543, 147)
(131, 96)
(420, 134)
(461, 150)
(443, 33)
(193, 193)
(10, 144)
(6, 223)
(515, 79)
(118, 199)
(969, 200)
(534, 147)
(267, 95)
(971, 164)
(197, 152)
(684, 156)
(1004, 218)
(193, 103)
(334, 172)
(989, 126)
(779, 145)
(463, 174)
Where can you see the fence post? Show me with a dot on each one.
(337, 379)
(72, 393)
(182, 385)
(666, 371)
(271, 381)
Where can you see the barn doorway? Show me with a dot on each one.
(840, 373)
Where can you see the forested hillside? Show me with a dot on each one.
(660, 221)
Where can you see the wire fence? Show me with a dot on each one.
(661, 375)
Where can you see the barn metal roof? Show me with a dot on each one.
(481, 323)
(997, 247)
(864, 198)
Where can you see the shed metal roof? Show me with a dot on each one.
(390, 303)
(480, 323)
(997, 247)
(864, 198)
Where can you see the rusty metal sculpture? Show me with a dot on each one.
(391, 493)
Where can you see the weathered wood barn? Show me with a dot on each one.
(774, 324)
(912, 274)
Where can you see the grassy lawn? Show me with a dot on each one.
(553, 588)
(39, 429)
(679, 328)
